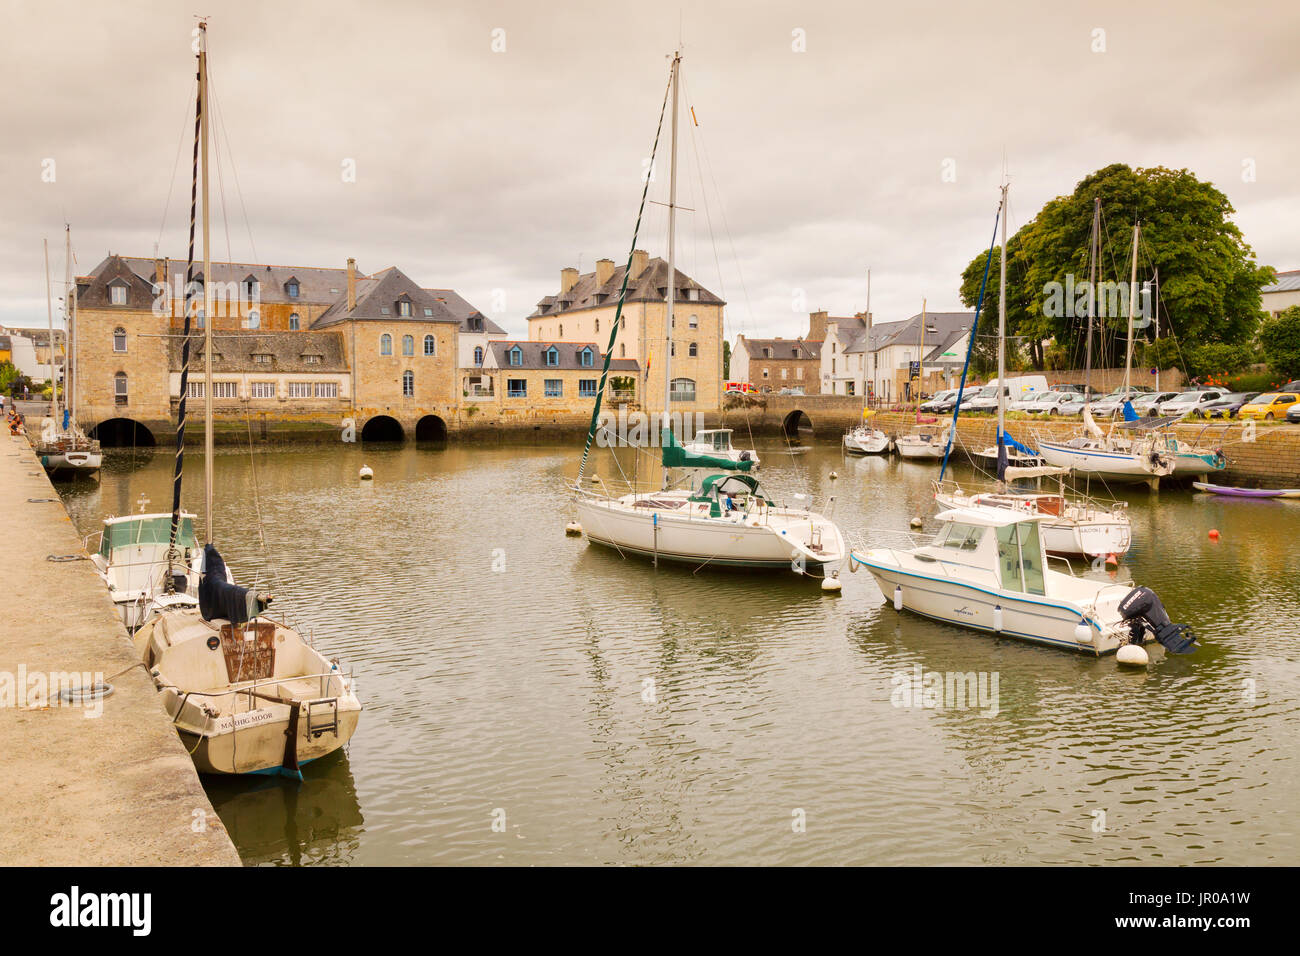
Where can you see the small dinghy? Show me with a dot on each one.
(1230, 491)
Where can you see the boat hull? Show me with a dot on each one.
(257, 746)
(875, 443)
(1230, 491)
(70, 464)
(1116, 466)
(922, 450)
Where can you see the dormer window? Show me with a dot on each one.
(403, 307)
(516, 356)
(117, 292)
(311, 359)
(291, 288)
(552, 356)
(693, 295)
(385, 310)
(586, 357)
(250, 286)
(428, 313)
(262, 358)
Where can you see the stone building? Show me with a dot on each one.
(548, 382)
(583, 311)
(771, 365)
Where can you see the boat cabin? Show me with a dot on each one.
(133, 549)
(714, 440)
(1006, 546)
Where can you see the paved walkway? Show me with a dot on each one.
(114, 788)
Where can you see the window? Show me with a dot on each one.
(428, 312)
(225, 389)
(119, 339)
(117, 294)
(622, 350)
(199, 317)
(798, 373)
(431, 348)
(693, 350)
(785, 373)
(516, 388)
(292, 290)
(300, 390)
(310, 359)
(404, 308)
(587, 387)
(262, 390)
(683, 390)
(554, 388)
(254, 320)
(119, 388)
(587, 357)
(516, 356)
(295, 323)
(478, 355)
(598, 325)
(765, 373)
(385, 344)
(327, 389)
(561, 330)
(1018, 557)
(408, 383)
(408, 345)
(195, 390)
(552, 356)
(262, 358)
(695, 322)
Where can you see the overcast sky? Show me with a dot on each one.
(824, 132)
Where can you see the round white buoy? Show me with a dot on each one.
(916, 522)
(997, 618)
(1083, 633)
(1133, 655)
(833, 476)
(366, 473)
(832, 584)
(573, 528)
(898, 597)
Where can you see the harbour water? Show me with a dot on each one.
(532, 699)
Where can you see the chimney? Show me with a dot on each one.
(568, 276)
(640, 259)
(604, 271)
(160, 286)
(817, 325)
(352, 284)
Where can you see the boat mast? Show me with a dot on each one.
(672, 267)
(49, 311)
(1094, 248)
(869, 384)
(1002, 333)
(70, 334)
(920, 364)
(207, 285)
(1132, 304)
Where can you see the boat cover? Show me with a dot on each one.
(218, 598)
(675, 456)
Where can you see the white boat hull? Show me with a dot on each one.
(72, 463)
(1115, 465)
(874, 442)
(740, 540)
(1082, 530)
(909, 446)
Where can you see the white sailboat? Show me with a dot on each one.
(987, 570)
(725, 518)
(864, 438)
(1070, 524)
(925, 442)
(1108, 455)
(63, 449)
(246, 693)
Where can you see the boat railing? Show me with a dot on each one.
(1064, 560)
(257, 688)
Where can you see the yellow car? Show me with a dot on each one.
(1269, 406)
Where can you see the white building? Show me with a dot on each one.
(1283, 293)
(883, 363)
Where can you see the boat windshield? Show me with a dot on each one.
(960, 537)
(157, 530)
(1020, 558)
(718, 441)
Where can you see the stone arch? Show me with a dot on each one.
(431, 428)
(796, 422)
(123, 433)
(383, 428)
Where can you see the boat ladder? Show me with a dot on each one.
(327, 722)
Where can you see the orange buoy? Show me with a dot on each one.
(1214, 534)
(1112, 558)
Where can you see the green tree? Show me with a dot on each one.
(1280, 339)
(726, 360)
(1209, 281)
(8, 374)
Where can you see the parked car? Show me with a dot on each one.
(1049, 403)
(1190, 403)
(934, 404)
(1293, 414)
(1228, 405)
(1269, 406)
(1291, 386)
(791, 391)
(1068, 387)
(1145, 405)
(1110, 405)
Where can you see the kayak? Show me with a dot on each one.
(1234, 492)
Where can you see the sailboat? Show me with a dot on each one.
(725, 518)
(246, 693)
(986, 569)
(1134, 454)
(1070, 524)
(864, 438)
(926, 442)
(63, 449)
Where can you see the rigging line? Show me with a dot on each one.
(622, 292)
(176, 163)
(234, 169)
(704, 196)
(221, 183)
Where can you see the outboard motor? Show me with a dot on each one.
(1142, 609)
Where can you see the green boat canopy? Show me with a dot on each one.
(675, 456)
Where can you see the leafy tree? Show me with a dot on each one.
(8, 373)
(1280, 339)
(1209, 281)
(726, 360)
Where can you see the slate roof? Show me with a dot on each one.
(377, 298)
(947, 328)
(568, 358)
(115, 270)
(650, 286)
(1285, 282)
(316, 286)
(471, 319)
(783, 349)
(234, 352)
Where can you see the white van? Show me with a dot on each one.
(1015, 389)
